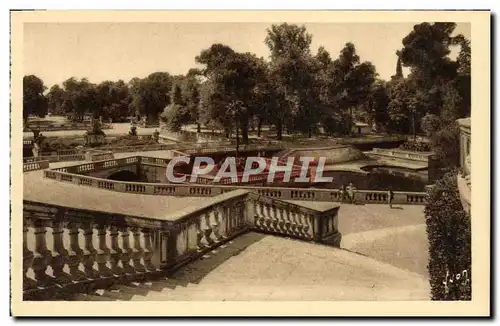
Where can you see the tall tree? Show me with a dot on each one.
(34, 101)
(292, 73)
(351, 84)
(55, 98)
(151, 95)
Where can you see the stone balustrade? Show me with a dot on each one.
(402, 154)
(37, 165)
(65, 249)
(57, 158)
(278, 217)
(74, 250)
(209, 190)
(97, 155)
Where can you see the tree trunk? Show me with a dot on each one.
(309, 132)
(279, 130)
(413, 127)
(244, 131)
(259, 127)
(237, 142)
(151, 118)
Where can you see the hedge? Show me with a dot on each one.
(448, 231)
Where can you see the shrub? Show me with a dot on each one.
(416, 146)
(448, 231)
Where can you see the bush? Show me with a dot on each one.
(416, 146)
(448, 231)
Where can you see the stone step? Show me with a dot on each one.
(90, 297)
(114, 294)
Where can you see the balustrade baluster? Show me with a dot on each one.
(60, 254)
(126, 251)
(148, 250)
(28, 257)
(199, 234)
(207, 230)
(275, 219)
(262, 215)
(293, 220)
(103, 252)
(138, 252)
(216, 226)
(89, 252)
(115, 252)
(281, 220)
(75, 253)
(42, 255)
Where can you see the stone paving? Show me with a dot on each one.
(266, 268)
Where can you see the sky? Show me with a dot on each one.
(110, 51)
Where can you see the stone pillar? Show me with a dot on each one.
(103, 252)
(60, 254)
(42, 255)
(28, 256)
(115, 251)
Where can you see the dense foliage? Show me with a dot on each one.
(294, 90)
(448, 230)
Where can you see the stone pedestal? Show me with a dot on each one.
(93, 140)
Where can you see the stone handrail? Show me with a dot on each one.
(149, 246)
(37, 165)
(200, 190)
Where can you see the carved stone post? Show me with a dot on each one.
(89, 252)
(126, 252)
(60, 254)
(137, 252)
(28, 256)
(199, 234)
(42, 256)
(207, 231)
(75, 253)
(148, 250)
(103, 252)
(268, 219)
(281, 220)
(215, 226)
(115, 252)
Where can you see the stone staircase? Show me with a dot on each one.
(183, 281)
(264, 267)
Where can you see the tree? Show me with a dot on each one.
(151, 94)
(292, 74)
(55, 100)
(114, 100)
(80, 97)
(192, 99)
(34, 101)
(351, 83)
(376, 105)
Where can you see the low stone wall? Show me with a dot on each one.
(37, 165)
(169, 189)
(96, 155)
(400, 154)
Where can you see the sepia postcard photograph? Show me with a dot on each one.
(250, 163)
